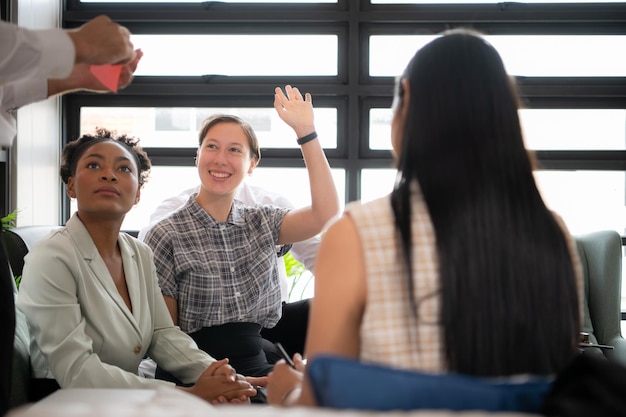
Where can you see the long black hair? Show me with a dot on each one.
(509, 303)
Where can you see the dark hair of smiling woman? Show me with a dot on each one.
(509, 303)
(75, 149)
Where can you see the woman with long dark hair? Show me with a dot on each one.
(462, 268)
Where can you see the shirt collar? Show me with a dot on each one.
(235, 217)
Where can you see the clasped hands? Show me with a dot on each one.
(220, 384)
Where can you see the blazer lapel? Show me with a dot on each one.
(131, 271)
(88, 250)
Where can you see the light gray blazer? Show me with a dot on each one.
(82, 332)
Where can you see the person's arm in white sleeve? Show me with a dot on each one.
(165, 208)
(23, 92)
(35, 64)
(27, 53)
(304, 251)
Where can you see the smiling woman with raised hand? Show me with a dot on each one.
(90, 293)
(216, 259)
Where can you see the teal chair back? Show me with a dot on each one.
(601, 256)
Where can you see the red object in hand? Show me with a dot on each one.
(109, 75)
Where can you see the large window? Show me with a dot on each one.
(204, 57)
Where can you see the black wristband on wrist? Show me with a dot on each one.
(307, 138)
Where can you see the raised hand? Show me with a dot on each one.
(295, 110)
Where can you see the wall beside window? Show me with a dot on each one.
(33, 186)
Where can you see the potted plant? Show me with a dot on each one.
(8, 222)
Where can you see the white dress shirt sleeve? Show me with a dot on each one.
(27, 59)
(27, 53)
(165, 208)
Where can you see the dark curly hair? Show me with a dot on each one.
(75, 149)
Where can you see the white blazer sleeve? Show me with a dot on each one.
(27, 59)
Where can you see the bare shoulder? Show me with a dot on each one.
(343, 231)
(341, 245)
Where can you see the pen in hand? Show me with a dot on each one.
(284, 354)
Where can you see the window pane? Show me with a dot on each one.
(162, 127)
(574, 129)
(164, 182)
(293, 183)
(169, 181)
(376, 183)
(587, 200)
(544, 129)
(261, 55)
(523, 55)
(380, 129)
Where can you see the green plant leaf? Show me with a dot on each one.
(293, 267)
(8, 221)
(296, 271)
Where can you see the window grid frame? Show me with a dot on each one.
(352, 91)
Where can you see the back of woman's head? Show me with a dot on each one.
(463, 105)
(508, 295)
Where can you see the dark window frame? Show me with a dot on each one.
(353, 91)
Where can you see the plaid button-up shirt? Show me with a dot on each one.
(220, 272)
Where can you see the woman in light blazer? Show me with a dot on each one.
(91, 296)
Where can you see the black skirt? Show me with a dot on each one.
(241, 343)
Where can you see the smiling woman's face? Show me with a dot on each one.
(106, 180)
(224, 159)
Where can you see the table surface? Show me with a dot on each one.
(171, 402)
(161, 402)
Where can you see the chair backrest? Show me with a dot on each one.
(15, 342)
(7, 329)
(19, 240)
(601, 257)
